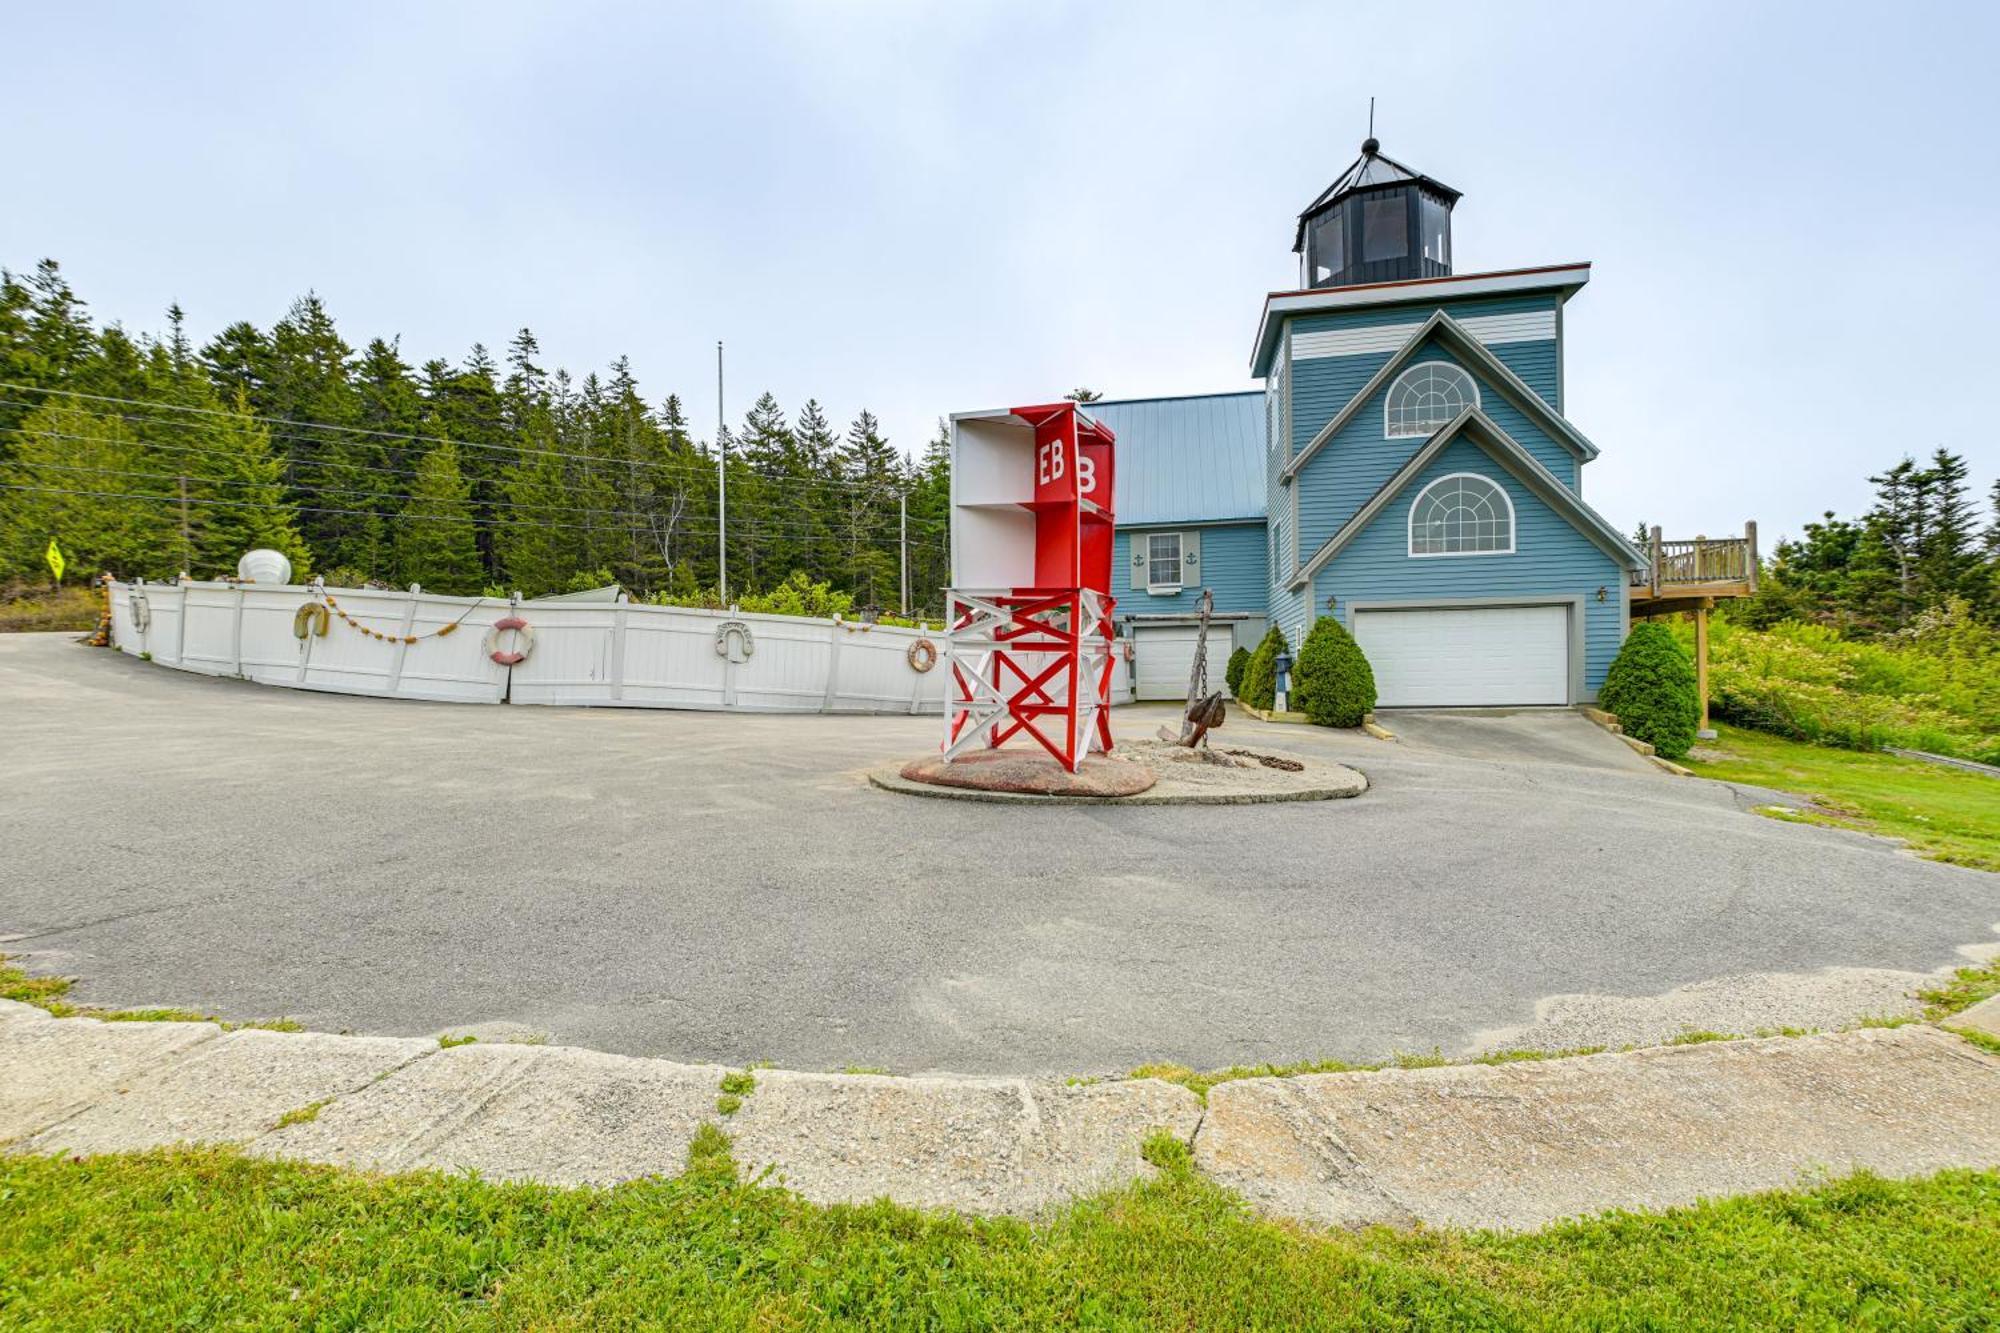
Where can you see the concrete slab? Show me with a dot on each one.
(13, 1011)
(1982, 1017)
(986, 1146)
(1518, 1146)
(1827, 999)
(547, 1113)
(53, 1069)
(229, 1091)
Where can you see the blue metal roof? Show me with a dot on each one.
(1187, 460)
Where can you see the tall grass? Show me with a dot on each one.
(27, 608)
(1934, 686)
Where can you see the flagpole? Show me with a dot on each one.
(721, 485)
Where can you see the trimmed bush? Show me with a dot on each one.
(1332, 682)
(1651, 688)
(1232, 675)
(1260, 673)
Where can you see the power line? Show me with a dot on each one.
(634, 517)
(687, 467)
(316, 509)
(196, 450)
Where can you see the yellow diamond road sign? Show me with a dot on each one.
(54, 556)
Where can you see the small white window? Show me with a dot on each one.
(1428, 396)
(1463, 514)
(1163, 562)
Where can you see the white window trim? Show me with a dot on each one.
(1410, 521)
(1422, 367)
(1154, 585)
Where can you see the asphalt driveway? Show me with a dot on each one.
(728, 888)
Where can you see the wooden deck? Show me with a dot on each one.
(1694, 575)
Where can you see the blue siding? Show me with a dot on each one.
(1357, 461)
(1232, 564)
(1551, 558)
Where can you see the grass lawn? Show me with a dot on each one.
(1945, 813)
(207, 1238)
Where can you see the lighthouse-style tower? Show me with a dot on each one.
(1379, 222)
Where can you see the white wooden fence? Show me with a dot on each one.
(608, 654)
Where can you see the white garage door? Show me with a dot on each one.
(1162, 656)
(1467, 656)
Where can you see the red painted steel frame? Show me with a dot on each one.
(1042, 665)
(1026, 657)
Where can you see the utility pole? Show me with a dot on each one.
(187, 529)
(903, 546)
(721, 485)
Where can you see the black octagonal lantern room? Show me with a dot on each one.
(1380, 222)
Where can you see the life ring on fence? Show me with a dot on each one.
(729, 627)
(922, 656)
(524, 641)
(310, 618)
(142, 612)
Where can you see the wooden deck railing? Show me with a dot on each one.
(1703, 562)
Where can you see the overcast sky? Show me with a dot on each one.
(923, 208)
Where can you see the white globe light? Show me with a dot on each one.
(264, 566)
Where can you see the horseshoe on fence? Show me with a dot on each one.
(742, 630)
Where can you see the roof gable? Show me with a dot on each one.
(1504, 449)
(1478, 358)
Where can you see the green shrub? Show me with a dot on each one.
(1232, 675)
(1332, 682)
(1260, 673)
(1651, 687)
(797, 595)
(1934, 686)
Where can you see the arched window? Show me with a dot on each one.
(1428, 396)
(1463, 514)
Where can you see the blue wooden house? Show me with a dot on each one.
(1407, 467)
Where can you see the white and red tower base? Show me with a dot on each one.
(1029, 662)
(1029, 632)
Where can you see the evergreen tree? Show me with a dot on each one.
(86, 482)
(1948, 556)
(434, 540)
(341, 474)
(241, 472)
(17, 363)
(238, 359)
(872, 475)
(537, 556)
(60, 341)
(761, 459)
(930, 523)
(117, 371)
(388, 401)
(526, 391)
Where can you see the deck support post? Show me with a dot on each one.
(1701, 663)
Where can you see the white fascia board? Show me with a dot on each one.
(1566, 277)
